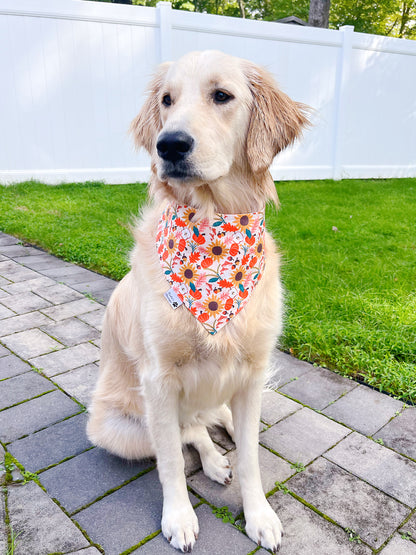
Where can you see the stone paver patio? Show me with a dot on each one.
(338, 459)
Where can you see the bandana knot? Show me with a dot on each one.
(212, 266)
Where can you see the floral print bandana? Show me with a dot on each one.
(212, 266)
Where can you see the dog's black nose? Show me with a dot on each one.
(174, 146)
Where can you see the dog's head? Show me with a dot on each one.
(210, 118)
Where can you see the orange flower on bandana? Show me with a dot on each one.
(217, 250)
(188, 273)
(238, 276)
(189, 215)
(213, 305)
(243, 222)
(171, 243)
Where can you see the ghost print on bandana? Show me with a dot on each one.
(212, 266)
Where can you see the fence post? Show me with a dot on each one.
(341, 86)
(165, 30)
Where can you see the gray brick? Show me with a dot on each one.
(318, 388)
(41, 525)
(303, 436)
(52, 445)
(214, 537)
(25, 302)
(5, 312)
(30, 343)
(67, 359)
(410, 527)
(59, 293)
(30, 285)
(305, 532)
(3, 283)
(81, 480)
(349, 501)
(94, 319)
(12, 365)
(6, 239)
(38, 261)
(103, 296)
(364, 409)
(4, 352)
(14, 251)
(24, 322)
(79, 383)
(287, 368)
(71, 331)
(20, 388)
(275, 407)
(61, 270)
(127, 516)
(399, 434)
(73, 308)
(16, 272)
(96, 285)
(83, 276)
(34, 415)
(220, 436)
(3, 529)
(272, 469)
(399, 546)
(379, 466)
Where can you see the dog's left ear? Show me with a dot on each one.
(275, 121)
(146, 125)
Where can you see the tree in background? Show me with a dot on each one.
(319, 13)
(395, 18)
(380, 17)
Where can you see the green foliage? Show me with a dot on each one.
(224, 514)
(350, 297)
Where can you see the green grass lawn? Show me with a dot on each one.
(349, 262)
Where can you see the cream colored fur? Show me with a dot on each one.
(163, 379)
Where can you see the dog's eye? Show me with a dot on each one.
(166, 100)
(220, 97)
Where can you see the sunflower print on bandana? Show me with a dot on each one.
(213, 266)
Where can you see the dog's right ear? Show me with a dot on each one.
(146, 125)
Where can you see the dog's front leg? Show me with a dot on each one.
(262, 523)
(179, 521)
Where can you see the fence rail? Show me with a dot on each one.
(74, 74)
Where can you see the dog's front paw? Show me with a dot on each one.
(264, 527)
(180, 527)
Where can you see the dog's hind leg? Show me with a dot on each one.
(215, 466)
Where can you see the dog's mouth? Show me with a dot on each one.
(180, 169)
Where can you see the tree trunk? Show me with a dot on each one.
(242, 10)
(319, 13)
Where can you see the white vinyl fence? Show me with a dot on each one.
(73, 75)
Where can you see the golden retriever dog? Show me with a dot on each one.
(175, 362)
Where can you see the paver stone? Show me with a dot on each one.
(303, 436)
(42, 526)
(346, 499)
(364, 409)
(377, 465)
(307, 533)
